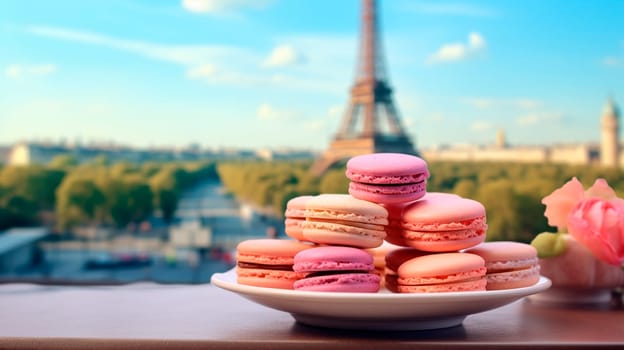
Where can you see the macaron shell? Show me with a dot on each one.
(387, 168)
(333, 259)
(343, 283)
(442, 209)
(267, 278)
(331, 235)
(457, 240)
(506, 251)
(463, 286)
(346, 208)
(396, 258)
(440, 267)
(295, 208)
(269, 251)
(294, 228)
(513, 279)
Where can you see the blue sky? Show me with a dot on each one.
(276, 73)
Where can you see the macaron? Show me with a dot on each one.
(443, 272)
(509, 264)
(295, 217)
(394, 230)
(394, 260)
(268, 262)
(387, 177)
(336, 269)
(444, 223)
(340, 219)
(379, 257)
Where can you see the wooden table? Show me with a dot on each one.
(152, 316)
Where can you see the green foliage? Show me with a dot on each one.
(63, 161)
(78, 201)
(334, 181)
(95, 193)
(122, 193)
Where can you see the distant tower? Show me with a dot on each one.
(609, 135)
(364, 127)
(501, 140)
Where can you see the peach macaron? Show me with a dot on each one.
(340, 219)
(268, 262)
(444, 223)
(509, 264)
(295, 217)
(443, 272)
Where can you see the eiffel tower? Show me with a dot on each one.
(371, 123)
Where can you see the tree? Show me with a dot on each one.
(63, 161)
(78, 201)
(334, 181)
(129, 200)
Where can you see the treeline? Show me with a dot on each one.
(511, 192)
(64, 194)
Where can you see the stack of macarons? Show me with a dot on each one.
(433, 241)
(336, 230)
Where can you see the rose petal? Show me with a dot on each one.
(599, 226)
(600, 189)
(561, 202)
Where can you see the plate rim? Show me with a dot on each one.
(220, 279)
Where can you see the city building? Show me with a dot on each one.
(606, 153)
(19, 247)
(27, 153)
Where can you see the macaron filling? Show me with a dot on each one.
(247, 265)
(388, 189)
(387, 179)
(466, 224)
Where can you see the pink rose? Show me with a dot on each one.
(562, 201)
(598, 224)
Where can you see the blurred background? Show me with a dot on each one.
(143, 139)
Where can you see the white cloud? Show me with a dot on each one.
(451, 9)
(267, 112)
(180, 54)
(459, 51)
(18, 71)
(221, 7)
(283, 55)
(480, 125)
(538, 117)
(205, 70)
(476, 41)
(335, 111)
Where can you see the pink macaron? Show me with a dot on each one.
(295, 217)
(268, 262)
(341, 219)
(444, 223)
(387, 177)
(443, 272)
(509, 264)
(336, 269)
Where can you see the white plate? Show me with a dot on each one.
(377, 311)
